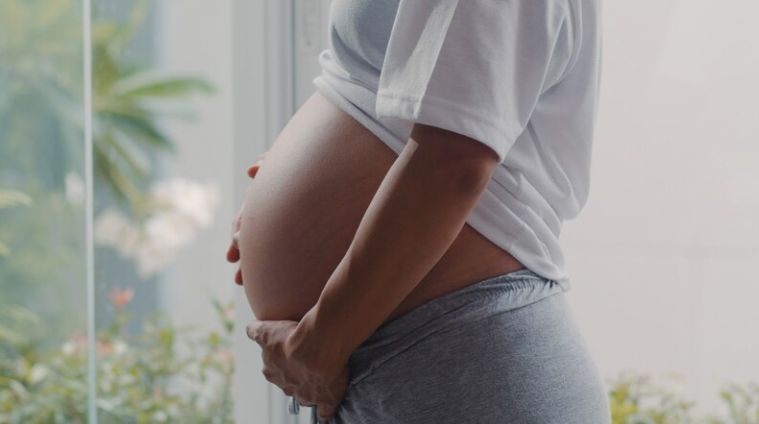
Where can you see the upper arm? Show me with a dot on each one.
(457, 155)
(451, 146)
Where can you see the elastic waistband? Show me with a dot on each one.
(485, 298)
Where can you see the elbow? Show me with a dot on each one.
(466, 162)
(474, 178)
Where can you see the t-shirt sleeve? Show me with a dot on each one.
(475, 67)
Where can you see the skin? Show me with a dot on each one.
(398, 240)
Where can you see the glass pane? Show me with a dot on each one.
(43, 340)
(163, 151)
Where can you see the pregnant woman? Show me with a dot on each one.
(399, 241)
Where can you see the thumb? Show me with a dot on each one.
(257, 331)
(325, 412)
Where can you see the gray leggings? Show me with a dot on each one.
(504, 350)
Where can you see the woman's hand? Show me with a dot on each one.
(291, 362)
(233, 253)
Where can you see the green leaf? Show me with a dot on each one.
(127, 30)
(138, 129)
(112, 176)
(106, 72)
(52, 12)
(127, 158)
(152, 85)
(129, 109)
(11, 198)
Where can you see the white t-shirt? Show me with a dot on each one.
(520, 76)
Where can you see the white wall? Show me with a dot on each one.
(665, 254)
(195, 40)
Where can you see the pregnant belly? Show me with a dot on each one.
(304, 206)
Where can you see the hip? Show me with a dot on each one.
(505, 349)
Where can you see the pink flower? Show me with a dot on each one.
(119, 298)
(225, 355)
(79, 339)
(104, 348)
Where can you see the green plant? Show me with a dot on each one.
(42, 148)
(742, 404)
(9, 199)
(130, 99)
(45, 269)
(163, 374)
(142, 377)
(635, 399)
(41, 99)
(638, 399)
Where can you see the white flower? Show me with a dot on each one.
(74, 188)
(183, 207)
(68, 349)
(191, 200)
(119, 347)
(37, 373)
(169, 229)
(172, 410)
(151, 259)
(110, 226)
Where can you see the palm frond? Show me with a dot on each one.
(11, 198)
(153, 85)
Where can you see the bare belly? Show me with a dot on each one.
(304, 206)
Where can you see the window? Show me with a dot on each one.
(184, 95)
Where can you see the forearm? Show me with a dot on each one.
(416, 214)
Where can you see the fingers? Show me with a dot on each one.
(233, 253)
(260, 331)
(237, 223)
(253, 170)
(332, 396)
(324, 412)
(255, 331)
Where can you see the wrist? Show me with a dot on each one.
(321, 349)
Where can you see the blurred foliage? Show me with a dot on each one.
(41, 99)
(742, 403)
(141, 378)
(9, 199)
(44, 268)
(42, 141)
(635, 399)
(638, 399)
(129, 100)
(42, 261)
